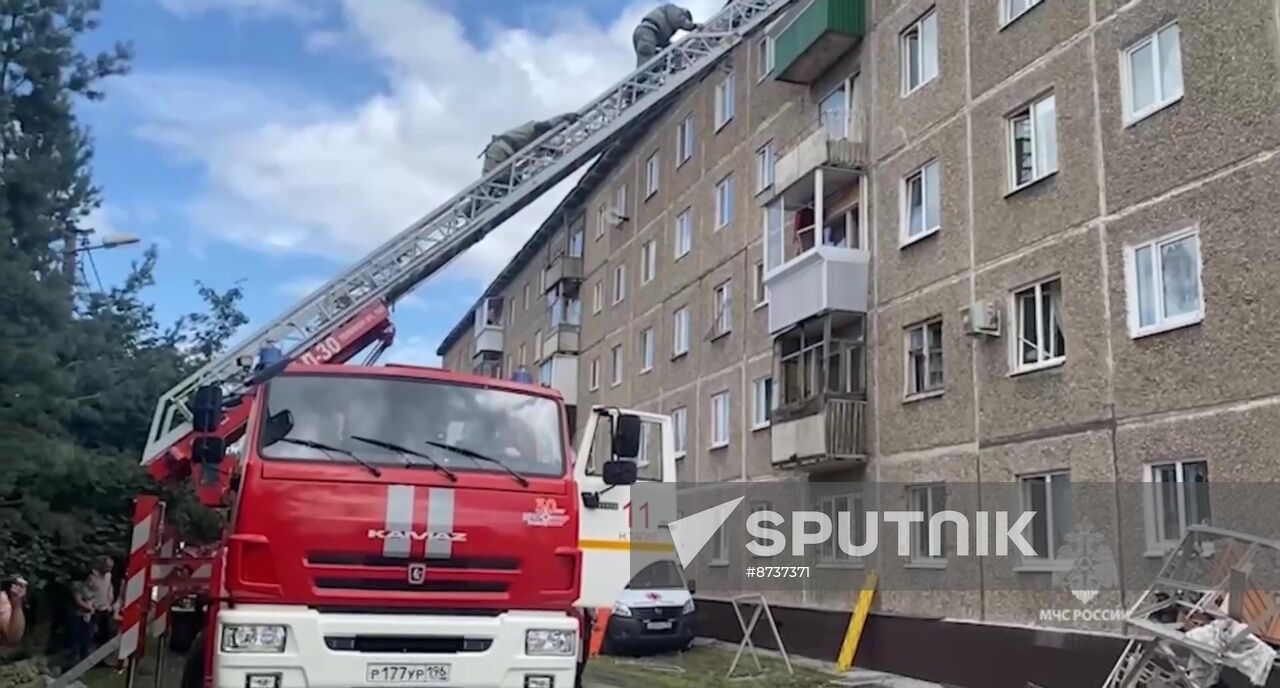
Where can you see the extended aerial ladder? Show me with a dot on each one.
(334, 323)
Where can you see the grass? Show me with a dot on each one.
(701, 667)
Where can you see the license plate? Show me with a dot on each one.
(407, 674)
(658, 625)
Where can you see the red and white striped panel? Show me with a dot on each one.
(161, 595)
(146, 526)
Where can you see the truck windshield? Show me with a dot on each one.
(521, 430)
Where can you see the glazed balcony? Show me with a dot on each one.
(816, 38)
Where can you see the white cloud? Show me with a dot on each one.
(297, 9)
(301, 287)
(412, 351)
(290, 172)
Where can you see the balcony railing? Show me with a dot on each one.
(833, 436)
(564, 267)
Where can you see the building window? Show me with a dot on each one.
(511, 311)
(927, 546)
(722, 308)
(1049, 496)
(684, 233)
(720, 548)
(524, 355)
(680, 332)
(1033, 143)
(829, 551)
(646, 350)
(619, 283)
(761, 294)
(597, 296)
(773, 235)
(761, 403)
(924, 358)
(651, 172)
(725, 98)
(679, 428)
(526, 296)
(545, 372)
(720, 420)
(1164, 283)
(542, 280)
(764, 167)
(684, 141)
(724, 202)
(1037, 314)
(616, 368)
(648, 262)
(921, 202)
(816, 362)
(1177, 497)
(594, 376)
(620, 202)
(576, 242)
(1012, 9)
(765, 59)
(602, 220)
(920, 53)
(537, 345)
(1151, 74)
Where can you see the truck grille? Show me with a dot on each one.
(405, 586)
(407, 644)
(377, 561)
(651, 613)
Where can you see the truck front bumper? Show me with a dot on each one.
(336, 650)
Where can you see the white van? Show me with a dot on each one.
(655, 613)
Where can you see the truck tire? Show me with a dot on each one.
(193, 667)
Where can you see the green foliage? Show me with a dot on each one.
(79, 373)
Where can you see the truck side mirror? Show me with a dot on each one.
(626, 436)
(206, 408)
(277, 427)
(620, 472)
(692, 586)
(208, 450)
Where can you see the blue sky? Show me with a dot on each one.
(278, 141)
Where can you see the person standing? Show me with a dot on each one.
(102, 600)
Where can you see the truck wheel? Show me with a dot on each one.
(193, 667)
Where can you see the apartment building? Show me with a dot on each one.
(939, 245)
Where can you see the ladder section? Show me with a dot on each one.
(429, 244)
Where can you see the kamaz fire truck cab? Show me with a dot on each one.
(411, 526)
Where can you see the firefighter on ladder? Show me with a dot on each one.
(656, 29)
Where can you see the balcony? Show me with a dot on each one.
(488, 327)
(821, 280)
(832, 144)
(560, 372)
(562, 340)
(817, 37)
(564, 267)
(830, 437)
(564, 317)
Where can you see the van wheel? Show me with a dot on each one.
(193, 667)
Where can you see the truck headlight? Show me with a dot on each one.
(688, 607)
(253, 638)
(550, 642)
(620, 609)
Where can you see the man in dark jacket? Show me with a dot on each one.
(656, 29)
(509, 142)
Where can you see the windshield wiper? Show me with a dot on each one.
(327, 448)
(477, 456)
(406, 453)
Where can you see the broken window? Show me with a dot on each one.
(820, 357)
(1049, 496)
(924, 358)
(1038, 326)
(1179, 497)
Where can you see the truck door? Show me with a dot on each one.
(622, 528)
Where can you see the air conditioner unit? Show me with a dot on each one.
(981, 319)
